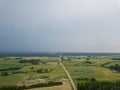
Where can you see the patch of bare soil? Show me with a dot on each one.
(31, 82)
(65, 86)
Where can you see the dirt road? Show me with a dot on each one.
(68, 75)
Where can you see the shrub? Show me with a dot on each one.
(4, 73)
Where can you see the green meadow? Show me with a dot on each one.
(48, 69)
(83, 67)
(19, 71)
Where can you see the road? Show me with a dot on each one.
(68, 75)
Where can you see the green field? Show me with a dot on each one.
(79, 67)
(27, 72)
(23, 71)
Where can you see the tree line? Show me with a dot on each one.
(33, 61)
(115, 58)
(86, 79)
(115, 67)
(5, 73)
(10, 68)
(98, 85)
(39, 85)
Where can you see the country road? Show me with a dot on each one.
(68, 75)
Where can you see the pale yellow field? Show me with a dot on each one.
(65, 86)
(105, 73)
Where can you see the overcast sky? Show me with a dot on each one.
(59, 25)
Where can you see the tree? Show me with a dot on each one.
(4, 73)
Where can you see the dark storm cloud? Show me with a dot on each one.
(60, 25)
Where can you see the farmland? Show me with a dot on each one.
(92, 68)
(19, 74)
(45, 72)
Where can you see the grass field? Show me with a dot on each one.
(30, 75)
(78, 68)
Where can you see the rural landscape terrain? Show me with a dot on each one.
(59, 44)
(63, 72)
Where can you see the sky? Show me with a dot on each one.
(59, 25)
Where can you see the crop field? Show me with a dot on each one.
(22, 72)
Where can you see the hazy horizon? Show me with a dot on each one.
(60, 26)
